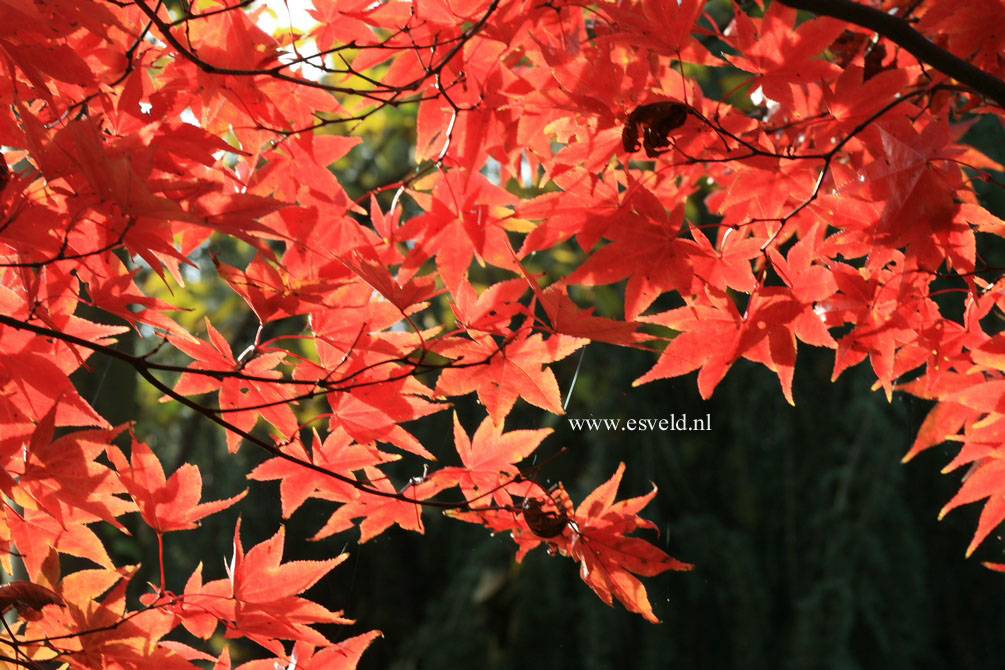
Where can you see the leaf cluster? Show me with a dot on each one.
(842, 213)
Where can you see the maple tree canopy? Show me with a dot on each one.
(821, 208)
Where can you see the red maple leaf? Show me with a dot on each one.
(382, 510)
(608, 558)
(338, 454)
(65, 473)
(707, 340)
(36, 532)
(568, 319)
(113, 639)
(649, 253)
(985, 479)
(917, 175)
(489, 459)
(502, 376)
(243, 398)
(165, 504)
(364, 262)
(596, 535)
(344, 654)
(273, 293)
(775, 318)
(260, 598)
(780, 55)
(462, 222)
(492, 310)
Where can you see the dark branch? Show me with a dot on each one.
(901, 33)
(144, 369)
(279, 70)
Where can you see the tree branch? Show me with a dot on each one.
(900, 32)
(144, 369)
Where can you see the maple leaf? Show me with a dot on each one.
(344, 654)
(562, 214)
(727, 266)
(883, 304)
(502, 376)
(112, 640)
(648, 253)
(202, 606)
(165, 504)
(382, 510)
(943, 421)
(65, 473)
(809, 281)
(34, 372)
(338, 453)
(568, 319)
(986, 479)
(775, 318)
(36, 532)
(489, 458)
(596, 535)
(337, 23)
(664, 28)
(369, 268)
(781, 55)
(462, 223)
(242, 398)
(493, 309)
(853, 100)
(271, 292)
(608, 558)
(375, 412)
(974, 32)
(917, 178)
(707, 340)
(261, 577)
(260, 599)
